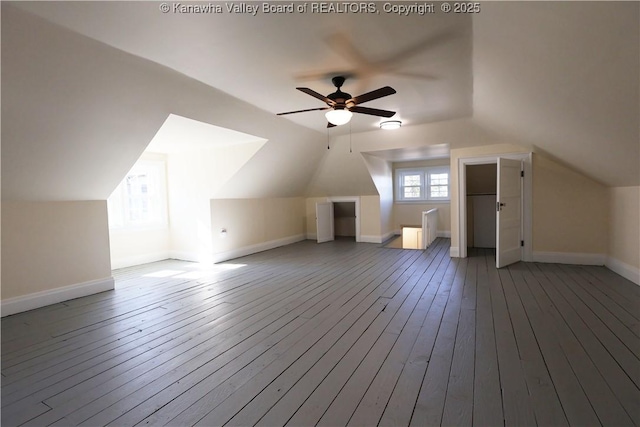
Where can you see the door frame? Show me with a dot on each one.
(355, 199)
(527, 199)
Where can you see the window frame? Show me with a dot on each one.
(425, 184)
(118, 203)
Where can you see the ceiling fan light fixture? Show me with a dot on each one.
(338, 117)
(390, 124)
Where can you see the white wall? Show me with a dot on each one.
(77, 148)
(138, 246)
(382, 174)
(76, 116)
(195, 177)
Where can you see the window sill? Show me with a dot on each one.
(139, 229)
(421, 202)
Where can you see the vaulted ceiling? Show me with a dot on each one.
(560, 77)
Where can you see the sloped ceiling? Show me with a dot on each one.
(560, 77)
(261, 59)
(77, 114)
(563, 77)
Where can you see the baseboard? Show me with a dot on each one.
(446, 234)
(627, 271)
(41, 299)
(387, 236)
(265, 246)
(188, 256)
(139, 259)
(371, 239)
(454, 252)
(312, 236)
(569, 258)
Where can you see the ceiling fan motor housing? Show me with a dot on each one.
(339, 97)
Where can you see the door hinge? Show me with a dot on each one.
(522, 174)
(521, 242)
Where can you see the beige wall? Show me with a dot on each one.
(251, 222)
(134, 247)
(570, 211)
(341, 173)
(370, 222)
(49, 245)
(624, 225)
(411, 214)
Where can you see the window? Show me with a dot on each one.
(140, 201)
(422, 184)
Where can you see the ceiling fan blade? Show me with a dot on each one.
(422, 46)
(418, 76)
(375, 94)
(330, 125)
(303, 111)
(372, 111)
(316, 95)
(342, 44)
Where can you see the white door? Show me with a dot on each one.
(324, 221)
(509, 215)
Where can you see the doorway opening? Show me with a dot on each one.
(481, 205)
(344, 220)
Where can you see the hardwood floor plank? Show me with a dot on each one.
(430, 403)
(318, 372)
(340, 333)
(583, 346)
(407, 319)
(370, 409)
(458, 407)
(487, 400)
(516, 404)
(334, 321)
(544, 392)
(614, 344)
(400, 407)
(281, 303)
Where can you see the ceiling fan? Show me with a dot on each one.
(341, 105)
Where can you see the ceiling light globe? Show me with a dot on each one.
(338, 117)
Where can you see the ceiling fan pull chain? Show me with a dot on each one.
(328, 147)
(350, 138)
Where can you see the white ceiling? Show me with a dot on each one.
(180, 134)
(560, 77)
(262, 59)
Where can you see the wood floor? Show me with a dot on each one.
(333, 334)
